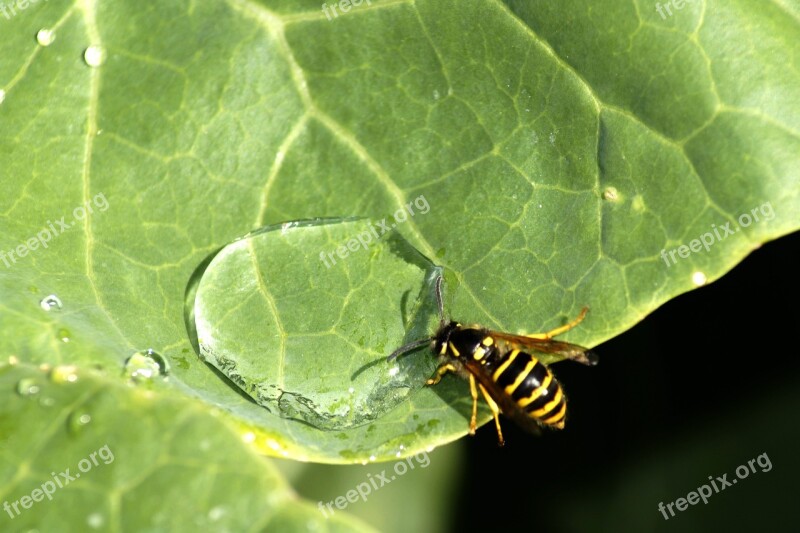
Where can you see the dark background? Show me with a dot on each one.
(701, 386)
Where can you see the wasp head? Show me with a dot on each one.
(442, 337)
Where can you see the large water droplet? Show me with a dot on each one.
(51, 303)
(28, 387)
(94, 56)
(271, 302)
(45, 37)
(145, 365)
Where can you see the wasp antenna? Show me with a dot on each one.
(439, 302)
(416, 344)
(407, 348)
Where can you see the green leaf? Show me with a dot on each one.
(87, 452)
(394, 501)
(558, 147)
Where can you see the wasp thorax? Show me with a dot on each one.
(468, 342)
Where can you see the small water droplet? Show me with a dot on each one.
(394, 370)
(351, 390)
(28, 387)
(610, 194)
(435, 95)
(78, 420)
(45, 37)
(397, 455)
(2, 95)
(699, 278)
(51, 302)
(249, 436)
(63, 335)
(94, 56)
(146, 365)
(216, 513)
(13, 360)
(371, 457)
(46, 401)
(64, 374)
(95, 520)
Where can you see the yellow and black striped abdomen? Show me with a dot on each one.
(530, 384)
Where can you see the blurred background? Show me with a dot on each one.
(703, 385)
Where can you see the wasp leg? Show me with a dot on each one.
(495, 413)
(558, 331)
(441, 371)
(473, 422)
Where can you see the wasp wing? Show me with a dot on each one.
(559, 349)
(508, 407)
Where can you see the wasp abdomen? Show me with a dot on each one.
(529, 383)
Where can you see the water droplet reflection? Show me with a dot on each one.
(94, 56)
(51, 303)
(45, 37)
(145, 365)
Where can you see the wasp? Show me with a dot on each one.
(504, 369)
